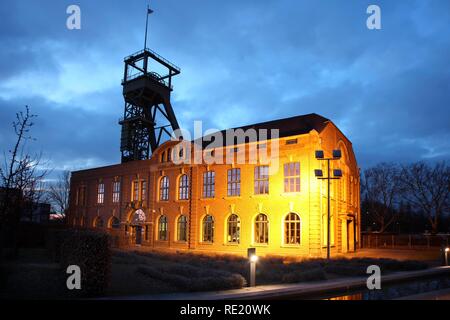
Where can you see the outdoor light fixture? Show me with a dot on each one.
(337, 174)
(251, 253)
(318, 173)
(337, 154)
(446, 255)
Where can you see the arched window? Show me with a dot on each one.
(163, 156)
(115, 223)
(164, 189)
(169, 155)
(183, 193)
(182, 228)
(98, 222)
(292, 229)
(234, 228)
(162, 228)
(208, 229)
(261, 229)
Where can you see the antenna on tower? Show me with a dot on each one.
(149, 11)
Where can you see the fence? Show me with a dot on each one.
(403, 241)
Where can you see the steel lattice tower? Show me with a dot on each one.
(147, 98)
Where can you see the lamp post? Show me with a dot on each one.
(251, 253)
(337, 174)
(446, 255)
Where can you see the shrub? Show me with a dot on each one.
(91, 251)
(189, 278)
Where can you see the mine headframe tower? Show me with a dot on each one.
(147, 99)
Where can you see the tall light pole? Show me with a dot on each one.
(337, 174)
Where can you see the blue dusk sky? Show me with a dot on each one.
(242, 62)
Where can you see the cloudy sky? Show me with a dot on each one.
(242, 62)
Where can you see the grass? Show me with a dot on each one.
(34, 276)
(182, 272)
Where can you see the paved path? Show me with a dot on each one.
(292, 291)
(433, 295)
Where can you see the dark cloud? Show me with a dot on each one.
(388, 90)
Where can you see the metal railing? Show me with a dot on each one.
(155, 54)
(398, 241)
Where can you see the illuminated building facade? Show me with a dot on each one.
(278, 207)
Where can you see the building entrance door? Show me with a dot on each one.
(138, 235)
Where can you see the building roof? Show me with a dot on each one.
(287, 127)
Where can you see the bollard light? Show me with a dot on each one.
(252, 257)
(446, 255)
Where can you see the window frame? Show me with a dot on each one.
(209, 184)
(291, 232)
(261, 179)
(233, 228)
(182, 225)
(116, 186)
(291, 177)
(234, 182)
(101, 193)
(208, 229)
(183, 187)
(163, 227)
(164, 186)
(261, 226)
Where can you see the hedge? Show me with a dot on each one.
(91, 251)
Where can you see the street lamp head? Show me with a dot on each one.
(337, 154)
(319, 154)
(318, 173)
(337, 173)
(447, 249)
(254, 258)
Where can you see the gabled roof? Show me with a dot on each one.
(287, 127)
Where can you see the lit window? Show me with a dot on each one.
(162, 228)
(234, 182)
(116, 192)
(261, 229)
(136, 190)
(183, 193)
(209, 184)
(208, 229)
(164, 189)
(262, 180)
(292, 229)
(234, 228)
(101, 193)
(292, 177)
(143, 190)
(182, 228)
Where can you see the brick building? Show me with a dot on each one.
(229, 207)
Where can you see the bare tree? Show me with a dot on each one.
(58, 192)
(21, 176)
(427, 188)
(381, 189)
